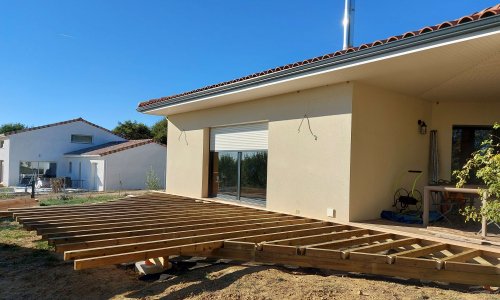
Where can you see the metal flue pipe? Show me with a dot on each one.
(348, 23)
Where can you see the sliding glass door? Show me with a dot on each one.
(253, 175)
(239, 175)
(226, 174)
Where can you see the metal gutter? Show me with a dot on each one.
(345, 59)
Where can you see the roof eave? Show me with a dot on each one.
(346, 59)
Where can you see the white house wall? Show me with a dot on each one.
(49, 144)
(97, 175)
(305, 175)
(385, 145)
(4, 156)
(131, 166)
(81, 172)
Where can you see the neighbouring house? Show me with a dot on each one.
(329, 137)
(88, 156)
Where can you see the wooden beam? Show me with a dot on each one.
(93, 262)
(183, 232)
(472, 268)
(421, 251)
(113, 212)
(259, 238)
(190, 239)
(337, 233)
(91, 219)
(152, 220)
(462, 256)
(166, 229)
(352, 241)
(168, 223)
(380, 246)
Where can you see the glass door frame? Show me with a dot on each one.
(239, 159)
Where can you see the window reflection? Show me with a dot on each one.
(239, 175)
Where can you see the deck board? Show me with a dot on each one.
(159, 225)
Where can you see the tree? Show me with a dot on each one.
(9, 127)
(485, 162)
(132, 130)
(159, 131)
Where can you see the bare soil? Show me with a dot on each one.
(30, 270)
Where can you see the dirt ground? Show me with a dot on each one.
(29, 270)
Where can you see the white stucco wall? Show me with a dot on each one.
(81, 170)
(305, 176)
(4, 156)
(131, 166)
(49, 144)
(385, 144)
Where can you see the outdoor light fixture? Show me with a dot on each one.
(422, 127)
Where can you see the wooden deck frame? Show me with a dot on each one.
(160, 225)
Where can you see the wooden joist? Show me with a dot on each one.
(160, 225)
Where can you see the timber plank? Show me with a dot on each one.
(120, 215)
(360, 238)
(167, 229)
(191, 239)
(222, 227)
(155, 220)
(86, 263)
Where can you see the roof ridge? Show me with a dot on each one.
(113, 147)
(485, 13)
(79, 119)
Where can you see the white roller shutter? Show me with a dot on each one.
(246, 137)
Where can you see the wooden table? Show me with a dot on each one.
(441, 188)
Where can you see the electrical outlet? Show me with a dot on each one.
(330, 212)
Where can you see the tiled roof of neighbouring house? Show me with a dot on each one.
(111, 147)
(57, 124)
(488, 12)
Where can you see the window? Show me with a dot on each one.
(1, 144)
(239, 175)
(466, 140)
(32, 170)
(81, 139)
(70, 167)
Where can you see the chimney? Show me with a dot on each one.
(348, 23)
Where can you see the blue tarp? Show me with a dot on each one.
(410, 217)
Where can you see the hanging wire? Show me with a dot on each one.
(308, 125)
(185, 136)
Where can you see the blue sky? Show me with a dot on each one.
(98, 59)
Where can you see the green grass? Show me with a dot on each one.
(73, 200)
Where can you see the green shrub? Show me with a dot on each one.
(486, 164)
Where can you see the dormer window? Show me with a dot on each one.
(81, 139)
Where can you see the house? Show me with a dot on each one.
(89, 156)
(330, 137)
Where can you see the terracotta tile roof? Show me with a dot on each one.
(488, 12)
(57, 124)
(111, 147)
